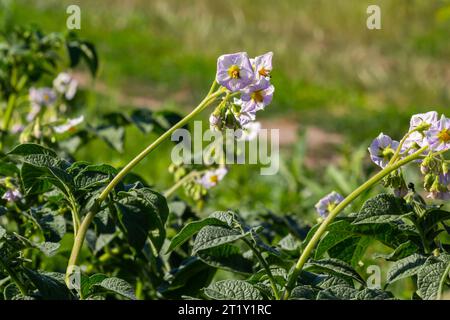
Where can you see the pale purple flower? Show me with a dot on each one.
(234, 71)
(420, 122)
(212, 177)
(42, 96)
(12, 195)
(424, 120)
(262, 65)
(257, 96)
(249, 131)
(328, 203)
(17, 128)
(439, 195)
(65, 84)
(69, 125)
(438, 137)
(243, 116)
(35, 109)
(444, 178)
(382, 149)
(214, 122)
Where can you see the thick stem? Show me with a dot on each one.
(341, 206)
(80, 236)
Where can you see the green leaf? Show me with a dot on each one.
(47, 248)
(304, 293)
(405, 267)
(335, 267)
(432, 276)
(188, 278)
(118, 286)
(31, 148)
(373, 294)
(350, 250)
(93, 176)
(433, 217)
(337, 232)
(88, 283)
(49, 286)
(232, 290)
(213, 236)
(143, 120)
(12, 292)
(192, 228)
(338, 292)
(141, 211)
(52, 225)
(402, 251)
(228, 257)
(382, 208)
(113, 136)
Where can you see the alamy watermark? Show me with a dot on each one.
(229, 146)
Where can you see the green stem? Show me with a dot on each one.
(7, 117)
(79, 239)
(341, 206)
(266, 267)
(179, 183)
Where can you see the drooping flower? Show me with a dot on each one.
(65, 84)
(382, 149)
(42, 96)
(12, 195)
(439, 190)
(69, 125)
(249, 131)
(234, 71)
(257, 96)
(328, 203)
(212, 177)
(438, 136)
(262, 65)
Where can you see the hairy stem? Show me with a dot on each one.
(341, 206)
(81, 234)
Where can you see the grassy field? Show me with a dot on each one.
(330, 72)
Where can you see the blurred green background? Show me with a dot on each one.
(338, 84)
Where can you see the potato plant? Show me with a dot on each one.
(119, 238)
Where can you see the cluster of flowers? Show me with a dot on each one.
(65, 85)
(249, 78)
(426, 130)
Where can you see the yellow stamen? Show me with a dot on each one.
(444, 135)
(233, 71)
(214, 179)
(263, 72)
(257, 96)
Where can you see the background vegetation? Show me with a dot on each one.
(337, 83)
